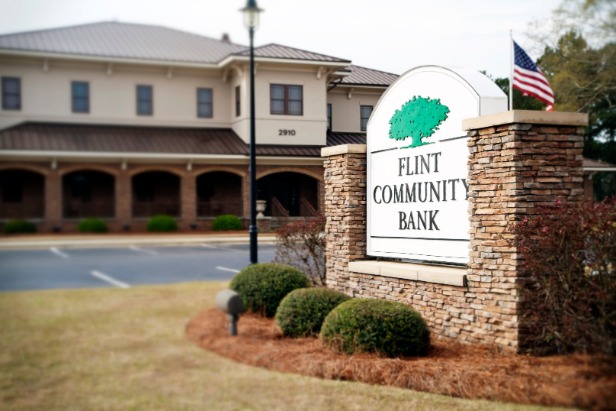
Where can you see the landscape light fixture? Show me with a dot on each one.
(251, 21)
(230, 302)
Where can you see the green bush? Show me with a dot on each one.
(263, 286)
(386, 327)
(162, 223)
(19, 226)
(92, 225)
(302, 311)
(227, 222)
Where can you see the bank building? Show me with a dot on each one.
(125, 121)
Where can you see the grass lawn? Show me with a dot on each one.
(115, 349)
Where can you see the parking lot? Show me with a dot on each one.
(124, 267)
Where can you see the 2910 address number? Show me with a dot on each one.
(286, 132)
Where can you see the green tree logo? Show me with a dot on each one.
(418, 118)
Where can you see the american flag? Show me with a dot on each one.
(529, 79)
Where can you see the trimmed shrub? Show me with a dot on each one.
(227, 222)
(19, 226)
(386, 327)
(301, 312)
(263, 286)
(301, 244)
(162, 223)
(92, 225)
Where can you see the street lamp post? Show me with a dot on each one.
(251, 21)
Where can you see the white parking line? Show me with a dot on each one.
(109, 279)
(227, 269)
(58, 252)
(207, 246)
(141, 250)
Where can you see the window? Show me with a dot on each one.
(205, 106)
(365, 112)
(329, 116)
(12, 188)
(144, 101)
(80, 91)
(285, 99)
(237, 102)
(11, 93)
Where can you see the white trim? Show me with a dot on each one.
(118, 155)
(282, 60)
(128, 157)
(599, 168)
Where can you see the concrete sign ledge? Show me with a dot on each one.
(409, 271)
(554, 118)
(343, 149)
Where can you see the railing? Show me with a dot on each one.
(306, 209)
(79, 209)
(150, 208)
(278, 209)
(213, 208)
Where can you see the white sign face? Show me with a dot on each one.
(417, 163)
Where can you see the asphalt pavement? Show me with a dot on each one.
(43, 261)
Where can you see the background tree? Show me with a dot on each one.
(579, 60)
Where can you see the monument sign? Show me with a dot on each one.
(417, 190)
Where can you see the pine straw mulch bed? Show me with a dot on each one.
(466, 371)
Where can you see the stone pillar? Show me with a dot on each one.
(519, 160)
(345, 211)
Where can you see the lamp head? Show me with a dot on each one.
(251, 14)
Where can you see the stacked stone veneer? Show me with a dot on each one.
(518, 161)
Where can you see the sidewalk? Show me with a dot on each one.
(36, 241)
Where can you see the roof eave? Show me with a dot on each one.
(235, 58)
(379, 86)
(106, 59)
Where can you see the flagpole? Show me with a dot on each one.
(511, 69)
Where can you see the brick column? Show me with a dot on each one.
(53, 200)
(123, 199)
(188, 200)
(519, 160)
(345, 211)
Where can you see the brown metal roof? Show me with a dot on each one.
(121, 139)
(123, 40)
(339, 138)
(77, 138)
(589, 163)
(278, 51)
(278, 150)
(365, 76)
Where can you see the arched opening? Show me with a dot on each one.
(88, 193)
(289, 194)
(219, 193)
(22, 194)
(156, 192)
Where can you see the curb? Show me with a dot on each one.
(121, 241)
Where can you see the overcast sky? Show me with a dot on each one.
(389, 35)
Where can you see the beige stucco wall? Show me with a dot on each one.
(309, 128)
(346, 102)
(46, 95)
